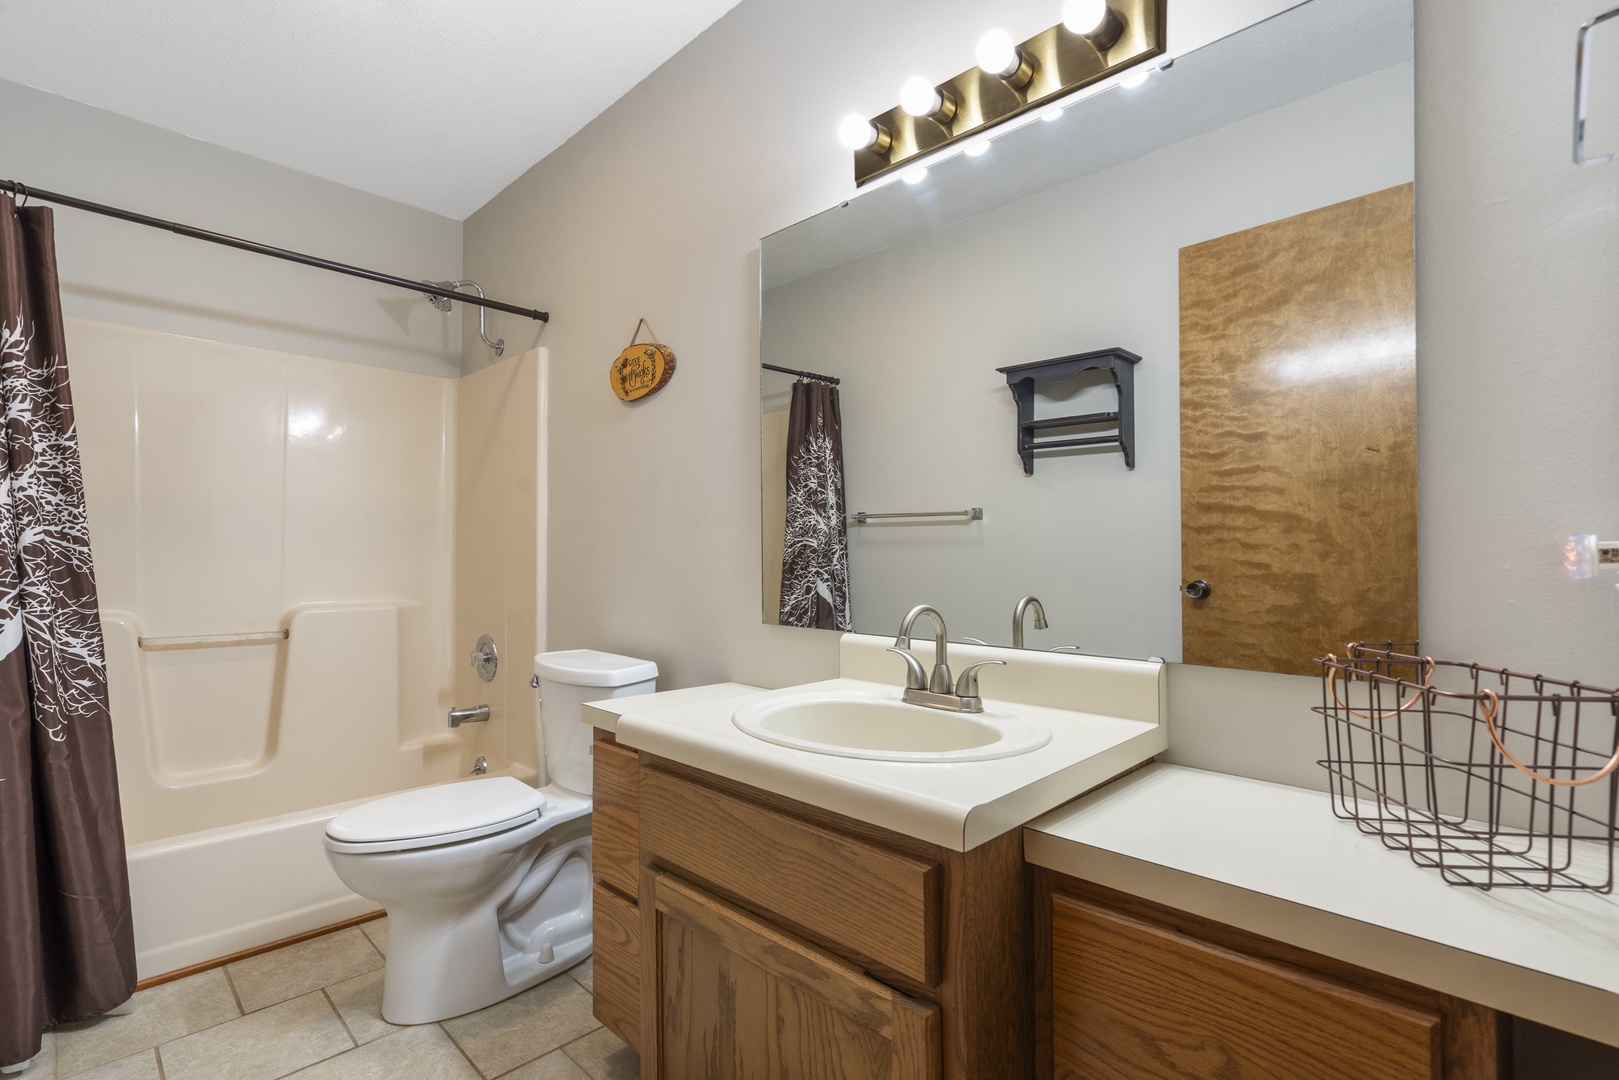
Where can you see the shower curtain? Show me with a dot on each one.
(67, 946)
(815, 552)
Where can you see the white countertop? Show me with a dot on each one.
(958, 805)
(1275, 861)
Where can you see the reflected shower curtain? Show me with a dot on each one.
(815, 549)
(67, 946)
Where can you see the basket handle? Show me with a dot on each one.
(1333, 669)
(1489, 703)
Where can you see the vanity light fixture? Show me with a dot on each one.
(977, 149)
(922, 99)
(1093, 20)
(1011, 84)
(998, 55)
(858, 133)
(915, 174)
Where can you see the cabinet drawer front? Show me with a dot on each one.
(731, 997)
(615, 824)
(1134, 1001)
(616, 925)
(881, 906)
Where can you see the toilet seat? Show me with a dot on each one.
(435, 816)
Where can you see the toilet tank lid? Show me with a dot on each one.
(587, 667)
(439, 811)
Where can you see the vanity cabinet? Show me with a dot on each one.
(764, 936)
(1130, 990)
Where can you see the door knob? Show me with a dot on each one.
(1197, 590)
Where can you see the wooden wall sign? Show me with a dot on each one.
(642, 370)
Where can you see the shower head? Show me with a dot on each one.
(440, 302)
(443, 304)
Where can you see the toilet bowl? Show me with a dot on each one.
(487, 881)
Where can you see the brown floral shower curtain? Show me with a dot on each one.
(67, 947)
(815, 552)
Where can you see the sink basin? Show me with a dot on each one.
(881, 727)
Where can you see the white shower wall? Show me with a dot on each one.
(234, 489)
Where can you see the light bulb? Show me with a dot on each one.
(997, 54)
(1050, 113)
(920, 97)
(915, 174)
(1136, 76)
(977, 149)
(856, 132)
(1084, 16)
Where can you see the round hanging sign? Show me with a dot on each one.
(642, 370)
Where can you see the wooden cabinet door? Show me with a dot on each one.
(726, 996)
(1135, 1001)
(1299, 436)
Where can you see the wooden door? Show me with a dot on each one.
(1298, 436)
(728, 997)
(1135, 1001)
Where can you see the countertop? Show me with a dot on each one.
(1274, 860)
(957, 806)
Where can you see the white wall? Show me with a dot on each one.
(928, 422)
(116, 272)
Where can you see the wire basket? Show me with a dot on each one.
(1493, 778)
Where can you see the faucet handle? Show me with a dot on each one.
(915, 677)
(967, 685)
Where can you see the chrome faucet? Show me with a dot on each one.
(937, 692)
(1022, 609)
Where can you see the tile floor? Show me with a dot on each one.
(314, 1011)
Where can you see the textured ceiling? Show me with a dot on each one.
(436, 103)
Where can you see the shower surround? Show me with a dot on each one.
(306, 509)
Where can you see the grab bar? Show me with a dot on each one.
(975, 513)
(207, 641)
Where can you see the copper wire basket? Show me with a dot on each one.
(1494, 778)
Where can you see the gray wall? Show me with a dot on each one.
(656, 208)
(1518, 323)
(122, 273)
(928, 423)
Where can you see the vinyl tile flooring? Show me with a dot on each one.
(314, 1011)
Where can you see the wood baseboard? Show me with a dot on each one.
(209, 965)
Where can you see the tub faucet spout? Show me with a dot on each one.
(478, 714)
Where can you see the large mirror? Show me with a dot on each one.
(1204, 288)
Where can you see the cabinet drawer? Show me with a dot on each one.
(732, 997)
(1136, 1001)
(616, 821)
(878, 905)
(616, 924)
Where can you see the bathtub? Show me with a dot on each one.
(206, 895)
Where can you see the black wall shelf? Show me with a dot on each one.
(1120, 364)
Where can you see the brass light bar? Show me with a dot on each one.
(1061, 61)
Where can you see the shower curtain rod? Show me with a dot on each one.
(25, 192)
(803, 374)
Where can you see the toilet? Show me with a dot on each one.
(487, 882)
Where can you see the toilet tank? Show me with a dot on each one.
(568, 679)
